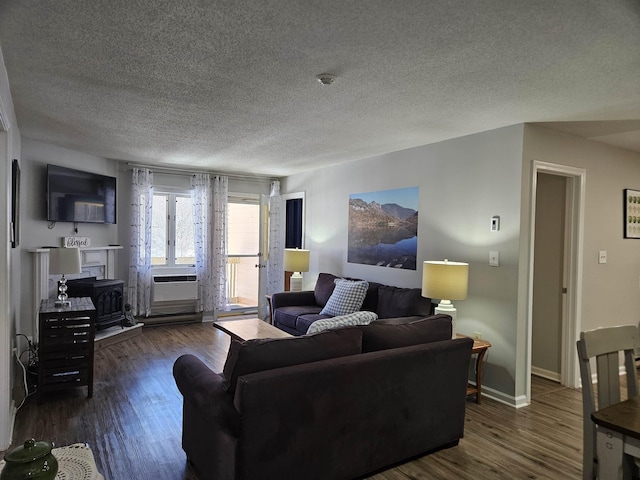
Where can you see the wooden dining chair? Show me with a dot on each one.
(604, 344)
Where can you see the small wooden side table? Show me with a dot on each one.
(479, 348)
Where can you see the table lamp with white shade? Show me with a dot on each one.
(446, 281)
(296, 260)
(64, 261)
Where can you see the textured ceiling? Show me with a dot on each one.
(230, 86)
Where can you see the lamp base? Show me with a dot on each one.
(62, 301)
(447, 308)
(295, 282)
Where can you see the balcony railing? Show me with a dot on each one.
(242, 281)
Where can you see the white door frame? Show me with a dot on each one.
(576, 182)
(301, 196)
(7, 409)
(261, 202)
(263, 257)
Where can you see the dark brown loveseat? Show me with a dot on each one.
(341, 417)
(294, 312)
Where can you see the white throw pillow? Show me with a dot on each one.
(356, 318)
(347, 297)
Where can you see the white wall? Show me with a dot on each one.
(36, 230)
(463, 183)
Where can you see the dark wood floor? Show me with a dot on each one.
(133, 421)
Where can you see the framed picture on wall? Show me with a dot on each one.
(383, 228)
(15, 204)
(631, 213)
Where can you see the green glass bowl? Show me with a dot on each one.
(31, 461)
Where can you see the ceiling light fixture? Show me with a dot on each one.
(326, 78)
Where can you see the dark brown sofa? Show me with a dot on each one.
(294, 312)
(341, 417)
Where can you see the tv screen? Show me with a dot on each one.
(78, 196)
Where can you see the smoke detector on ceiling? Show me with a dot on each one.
(326, 78)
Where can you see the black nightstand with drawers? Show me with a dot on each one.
(66, 345)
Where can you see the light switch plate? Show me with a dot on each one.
(602, 256)
(494, 259)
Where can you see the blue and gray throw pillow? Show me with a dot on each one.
(346, 298)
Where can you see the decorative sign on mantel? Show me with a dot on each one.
(76, 242)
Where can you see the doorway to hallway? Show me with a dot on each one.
(566, 267)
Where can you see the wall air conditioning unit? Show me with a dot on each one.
(174, 294)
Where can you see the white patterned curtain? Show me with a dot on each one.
(203, 233)
(219, 225)
(140, 276)
(275, 259)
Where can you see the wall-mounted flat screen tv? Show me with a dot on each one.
(79, 196)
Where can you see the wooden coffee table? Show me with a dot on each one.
(250, 328)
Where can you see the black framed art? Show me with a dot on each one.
(15, 204)
(631, 213)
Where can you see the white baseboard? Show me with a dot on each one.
(510, 400)
(6, 442)
(548, 374)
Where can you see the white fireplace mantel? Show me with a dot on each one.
(101, 258)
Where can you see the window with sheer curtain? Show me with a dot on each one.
(173, 242)
(210, 197)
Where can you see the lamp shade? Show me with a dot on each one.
(64, 261)
(296, 260)
(445, 280)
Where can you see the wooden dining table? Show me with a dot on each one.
(618, 439)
